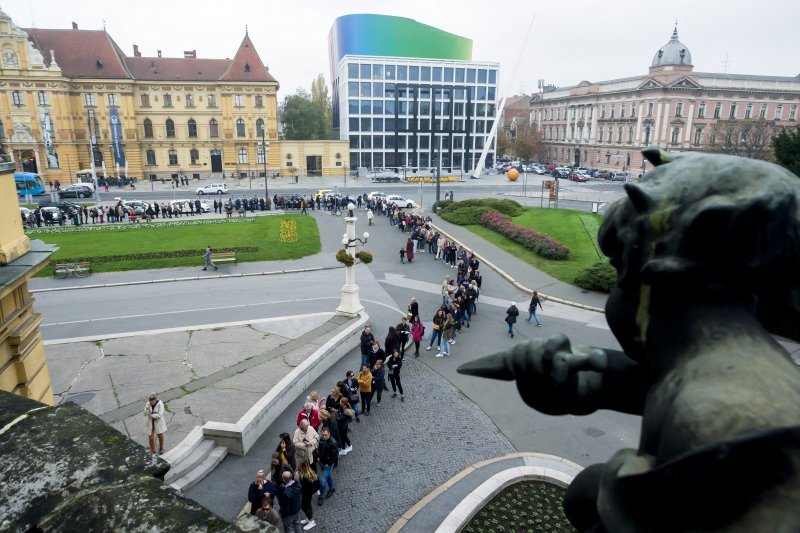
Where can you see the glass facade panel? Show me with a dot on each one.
(492, 77)
(377, 124)
(353, 123)
(352, 106)
(353, 143)
(448, 74)
(389, 90)
(471, 74)
(402, 73)
(366, 124)
(366, 141)
(389, 72)
(377, 72)
(482, 75)
(490, 94)
(391, 124)
(377, 141)
(352, 88)
(366, 89)
(365, 107)
(377, 89)
(437, 73)
(425, 74)
(413, 73)
(481, 93)
(352, 71)
(459, 75)
(389, 107)
(377, 107)
(366, 72)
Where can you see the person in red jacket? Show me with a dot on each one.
(310, 413)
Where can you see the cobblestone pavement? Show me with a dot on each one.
(400, 453)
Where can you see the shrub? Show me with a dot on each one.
(539, 243)
(149, 255)
(344, 258)
(598, 277)
(507, 207)
(364, 256)
(465, 216)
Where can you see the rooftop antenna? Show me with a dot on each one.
(725, 63)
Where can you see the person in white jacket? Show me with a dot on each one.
(154, 413)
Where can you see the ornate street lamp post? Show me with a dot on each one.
(350, 304)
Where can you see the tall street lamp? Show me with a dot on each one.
(350, 304)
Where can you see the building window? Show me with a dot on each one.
(260, 154)
(238, 100)
(600, 134)
(213, 128)
(610, 134)
(613, 111)
(167, 100)
(633, 111)
(763, 112)
(630, 135)
(679, 109)
(718, 110)
(779, 113)
(242, 156)
(733, 111)
(192, 128)
(622, 111)
(145, 100)
(676, 135)
(151, 158)
(189, 100)
(603, 111)
(698, 136)
(148, 128)
(89, 99)
(194, 155)
(260, 128)
(170, 128)
(211, 100)
(259, 100)
(793, 112)
(113, 100)
(713, 138)
(240, 127)
(748, 111)
(42, 97)
(701, 111)
(649, 109)
(619, 134)
(173, 157)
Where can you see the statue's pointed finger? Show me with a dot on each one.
(497, 366)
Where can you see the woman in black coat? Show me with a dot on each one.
(394, 364)
(286, 449)
(392, 341)
(413, 310)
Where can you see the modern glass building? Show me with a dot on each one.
(403, 92)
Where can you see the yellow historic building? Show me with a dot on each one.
(68, 97)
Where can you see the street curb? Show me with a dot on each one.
(519, 285)
(188, 278)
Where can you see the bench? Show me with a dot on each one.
(223, 257)
(242, 212)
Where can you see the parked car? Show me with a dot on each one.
(560, 173)
(604, 174)
(620, 176)
(374, 195)
(213, 188)
(185, 205)
(400, 201)
(78, 190)
(576, 176)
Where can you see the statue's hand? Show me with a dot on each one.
(551, 376)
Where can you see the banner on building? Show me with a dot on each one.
(116, 137)
(97, 155)
(47, 137)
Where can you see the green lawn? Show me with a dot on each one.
(575, 229)
(262, 233)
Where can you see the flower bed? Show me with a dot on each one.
(430, 179)
(523, 506)
(288, 232)
(539, 243)
(141, 225)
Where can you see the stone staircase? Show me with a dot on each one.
(192, 460)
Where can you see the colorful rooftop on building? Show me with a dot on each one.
(382, 35)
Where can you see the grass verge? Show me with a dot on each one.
(263, 234)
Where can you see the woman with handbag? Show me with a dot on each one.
(309, 485)
(352, 387)
(365, 388)
(448, 326)
(436, 336)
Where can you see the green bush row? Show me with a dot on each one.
(467, 212)
(598, 277)
(150, 255)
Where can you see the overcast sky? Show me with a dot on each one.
(570, 40)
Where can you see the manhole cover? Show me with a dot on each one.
(81, 398)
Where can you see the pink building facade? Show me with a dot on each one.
(606, 124)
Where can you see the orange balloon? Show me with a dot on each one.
(513, 174)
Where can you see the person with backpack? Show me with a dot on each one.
(511, 318)
(352, 386)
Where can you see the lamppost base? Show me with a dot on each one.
(350, 304)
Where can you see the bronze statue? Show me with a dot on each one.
(705, 247)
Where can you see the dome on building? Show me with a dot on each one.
(672, 53)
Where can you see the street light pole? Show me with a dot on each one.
(438, 174)
(350, 304)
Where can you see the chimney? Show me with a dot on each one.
(74, 25)
(190, 54)
(136, 52)
(159, 53)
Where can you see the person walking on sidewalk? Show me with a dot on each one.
(511, 318)
(394, 364)
(290, 497)
(365, 388)
(410, 250)
(417, 333)
(370, 216)
(309, 484)
(154, 413)
(328, 454)
(438, 321)
(532, 309)
(207, 258)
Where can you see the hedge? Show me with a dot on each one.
(118, 226)
(467, 212)
(598, 277)
(539, 243)
(150, 255)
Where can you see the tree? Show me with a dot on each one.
(746, 138)
(322, 103)
(786, 147)
(503, 144)
(526, 145)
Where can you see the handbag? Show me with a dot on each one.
(354, 397)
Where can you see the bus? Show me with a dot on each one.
(29, 183)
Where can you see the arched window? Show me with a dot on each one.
(260, 128)
(148, 128)
(676, 134)
(240, 127)
(194, 155)
(242, 155)
(151, 157)
(170, 128)
(213, 128)
(698, 135)
(192, 128)
(173, 157)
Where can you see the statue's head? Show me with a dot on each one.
(713, 226)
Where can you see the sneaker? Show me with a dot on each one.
(428, 348)
(452, 342)
(330, 493)
(349, 449)
(309, 525)
(394, 395)
(538, 325)
(439, 354)
(320, 500)
(365, 414)
(215, 268)
(512, 335)
(416, 355)
(342, 453)
(358, 420)
(304, 521)
(161, 451)
(204, 269)
(402, 398)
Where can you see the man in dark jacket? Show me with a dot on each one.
(511, 317)
(328, 454)
(289, 496)
(367, 339)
